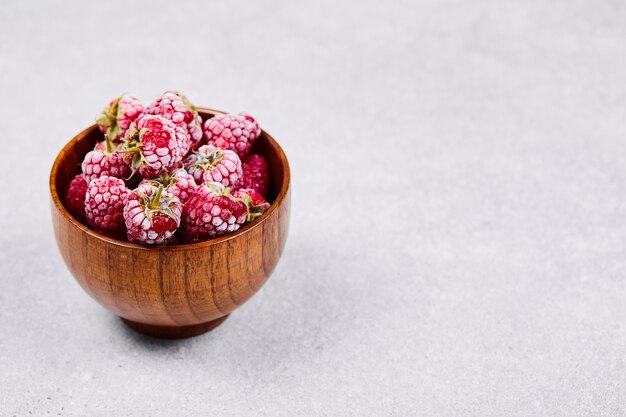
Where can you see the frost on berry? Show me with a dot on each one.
(213, 164)
(155, 145)
(104, 204)
(174, 106)
(151, 214)
(211, 211)
(118, 115)
(234, 132)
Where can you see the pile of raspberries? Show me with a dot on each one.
(160, 176)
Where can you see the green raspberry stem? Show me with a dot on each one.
(154, 204)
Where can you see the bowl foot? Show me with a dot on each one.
(171, 332)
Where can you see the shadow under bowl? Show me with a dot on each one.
(171, 291)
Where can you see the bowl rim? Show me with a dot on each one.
(280, 197)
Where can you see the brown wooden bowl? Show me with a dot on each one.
(171, 291)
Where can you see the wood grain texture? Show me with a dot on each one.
(179, 290)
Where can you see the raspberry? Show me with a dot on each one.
(256, 174)
(174, 106)
(155, 144)
(106, 159)
(215, 165)
(255, 202)
(101, 146)
(152, 215)
(211, 211)
(178, 183)
(182, 185)
(75, 197)
(104, 204)
(118, 115)
(232, 132)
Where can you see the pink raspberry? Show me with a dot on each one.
(106, 159)
(211, 211)
(104, 204)
(232, 132)
(118, 115)
(215, 165)
(155, 144)
(178, 183)
(152, 215)
(75, 197)
(174, 106)
(256, 174)
(101, 146)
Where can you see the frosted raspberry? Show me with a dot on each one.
(75, 197)
(256, 174)
(214, 164)
(178, 183)
(104, 204)
(116, 118)
(152, 215)
(182, 185)
(211, 211)
(232, 132)
(106, 159)
(155, 144)
(174, 106)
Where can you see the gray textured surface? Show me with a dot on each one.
(457, 236)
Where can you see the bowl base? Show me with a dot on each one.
(171, 332)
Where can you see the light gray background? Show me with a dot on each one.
(457, 237)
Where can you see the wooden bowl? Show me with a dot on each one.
(179, 290)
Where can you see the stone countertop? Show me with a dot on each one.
(457, 235)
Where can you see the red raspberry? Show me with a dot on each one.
(256, 174)
(116, 118)
(104, 204)
(155, 144)
(174, 106)
(254, 201)
(233, 132)
(215, 165)
(152, 215)
(211, 211)
(106, 159)
(178, 183)
(75, 197)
